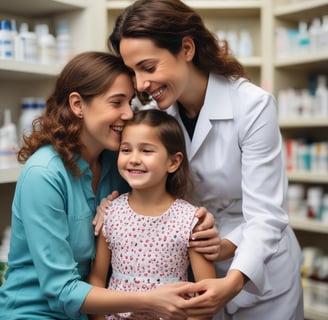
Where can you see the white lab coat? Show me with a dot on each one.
(237, 164)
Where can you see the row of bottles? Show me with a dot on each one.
(11, 135)
(305, 102)
(240, 43)
(304, 155)
(315, 278)
(35, 46)
(307, 204)
(312, 38)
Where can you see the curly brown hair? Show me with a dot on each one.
(90, 74)
(166, 23)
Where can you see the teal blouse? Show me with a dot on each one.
(52, 238)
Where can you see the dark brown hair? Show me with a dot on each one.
(179, 183)
(90, 74)
(166, 23)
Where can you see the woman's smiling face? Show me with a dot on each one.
(157, 71)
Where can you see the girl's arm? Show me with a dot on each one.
(205, 238)
(201, 268)
(99, 270)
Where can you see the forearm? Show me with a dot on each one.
(102, 301)
(227, 250)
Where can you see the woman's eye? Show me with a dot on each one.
(150, 69)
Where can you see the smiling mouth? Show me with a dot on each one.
(117, 129)
(155, 95)
(134, 171)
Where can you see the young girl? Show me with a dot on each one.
(146, 232)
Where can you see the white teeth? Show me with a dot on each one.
(156, 94)
(120, 129)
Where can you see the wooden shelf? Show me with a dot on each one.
(303, 122)
(37, 8)
(12, 69)
(308, 225)
(307, 177)
(313, 314)
(10, 175)
(300, 10)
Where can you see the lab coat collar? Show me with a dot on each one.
(217, 106)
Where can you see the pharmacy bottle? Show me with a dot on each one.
(314, 31)
(17, 42)
(323, 34)
(245, 44)
(63, 43)
(321, 97)
(303, 39)
(46, 44)
(27, 116)
(8, 141)
(6, 40)
(29, 43)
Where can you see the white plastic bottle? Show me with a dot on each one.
(314, 31)
(321, 97)
(63, 42)
(29, 43)
(303, 39)
(232, 38)
(245, 44)
(8, 141)
(6, 40)
(17, 42)
(27, 116)
(46, 44)
(323, 34)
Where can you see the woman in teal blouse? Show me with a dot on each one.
(67, 171)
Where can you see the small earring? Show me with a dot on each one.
(80, 116)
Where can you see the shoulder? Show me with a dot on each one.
(45, 159)
(185, 213)
(186, 208)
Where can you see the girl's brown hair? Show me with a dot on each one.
(90, 74)
(179, 183)
(166, 23)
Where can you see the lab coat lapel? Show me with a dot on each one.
(217, 106)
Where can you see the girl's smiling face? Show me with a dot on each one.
(143, 160)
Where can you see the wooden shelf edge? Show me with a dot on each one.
(9, 175)
(308, 225)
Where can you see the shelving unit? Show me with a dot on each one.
(90, 23)
(293, 71)
(19, 79)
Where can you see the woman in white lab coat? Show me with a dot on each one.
(235, 151)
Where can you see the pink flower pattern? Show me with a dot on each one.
(147, 250)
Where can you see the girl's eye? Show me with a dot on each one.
(124, 150)
(147, 150)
